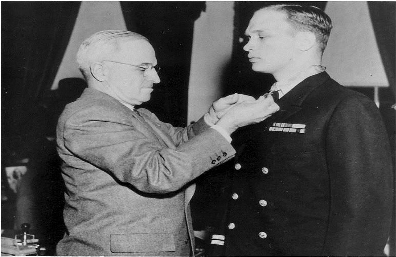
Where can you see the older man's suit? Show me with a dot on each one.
(127, 176)
(314, 179)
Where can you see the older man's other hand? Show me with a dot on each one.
(221, 106)
(247, 112)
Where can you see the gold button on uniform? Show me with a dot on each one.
(263, 203)
(231, 226)
(263, 235)
(235, 196)
(238, 166)
(264, 170)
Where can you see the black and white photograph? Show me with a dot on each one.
(198, 128)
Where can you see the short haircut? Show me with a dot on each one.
(101, 46)
(307, 18)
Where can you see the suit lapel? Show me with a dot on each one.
(165, 139)
(147, 125)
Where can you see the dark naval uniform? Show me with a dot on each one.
(314, 179)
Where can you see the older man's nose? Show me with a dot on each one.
(153, 75)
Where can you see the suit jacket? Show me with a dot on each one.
(314, 179)
(127, 176)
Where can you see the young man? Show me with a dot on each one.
(316, 177)
(128, 174)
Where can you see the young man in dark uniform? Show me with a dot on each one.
(316, 177)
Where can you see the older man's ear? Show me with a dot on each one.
(99, 71)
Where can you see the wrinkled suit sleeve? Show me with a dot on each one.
(179, 135)
(121, 148)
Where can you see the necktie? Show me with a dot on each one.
(275, 92)
(275, 95)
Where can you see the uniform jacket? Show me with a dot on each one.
(314, 179)
(127, 176)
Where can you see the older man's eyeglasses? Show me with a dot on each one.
(143, 67)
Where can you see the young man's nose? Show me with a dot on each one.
(248, 46)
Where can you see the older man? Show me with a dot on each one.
(316, 177)
(127, 173)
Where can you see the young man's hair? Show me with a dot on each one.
(307, 18)
(101, 46)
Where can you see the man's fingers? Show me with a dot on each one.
(243, 98)
(228, 100)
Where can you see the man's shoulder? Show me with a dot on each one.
(94, 97)
(333, 92)
(93, 104)
(332, 99)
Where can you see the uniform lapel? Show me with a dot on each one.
(293, 101)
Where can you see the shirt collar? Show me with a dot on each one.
(131, 107)
(283, 87)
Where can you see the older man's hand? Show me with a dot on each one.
(247, 112)
(221, 106)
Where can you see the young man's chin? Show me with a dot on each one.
(259, 68)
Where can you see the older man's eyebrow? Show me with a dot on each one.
(148, 64)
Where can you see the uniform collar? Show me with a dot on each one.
(283, 87)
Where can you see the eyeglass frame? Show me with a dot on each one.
(141, 66)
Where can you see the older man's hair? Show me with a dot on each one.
(101, 46)
(307, 18)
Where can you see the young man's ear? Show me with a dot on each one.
(98, 71)
(305, 40)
